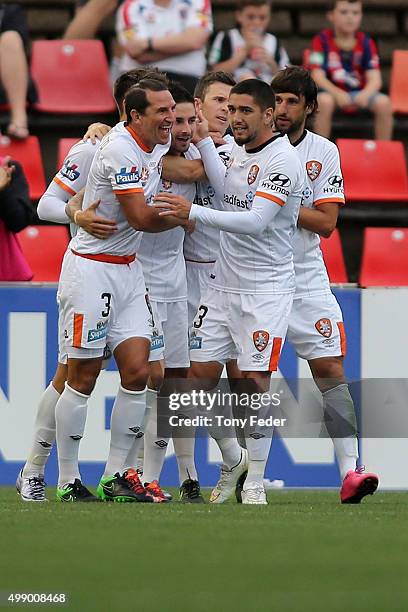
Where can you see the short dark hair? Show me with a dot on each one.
(216, 76)
(180, 93)
(331, 5)
(298, 81)
(259, 90)
(136, 99)
(132, 77)
(241, 4)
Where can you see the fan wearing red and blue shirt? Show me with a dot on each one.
(346, 67)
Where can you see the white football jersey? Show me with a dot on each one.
(203, 244)
(121, 165)
(320, 159)
(161, 254)
(262, 263)
(73, 174)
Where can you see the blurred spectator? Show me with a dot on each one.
(249, 51)
(88, 18)
(168, 34)
(16, 86)
(345, 65)
(16, 212)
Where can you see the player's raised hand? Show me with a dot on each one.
(96, 131)
(201, 131)
(173, 205)
(99, 227)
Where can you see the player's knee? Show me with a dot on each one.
(82, 382)
(328, 372)
(156, 375)
(134, 376)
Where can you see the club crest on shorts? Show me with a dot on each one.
(261, 339)
(313, 169)
(324, 327)
(252, 174)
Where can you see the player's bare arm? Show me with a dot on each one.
(322, 220)
(88, 219)
(143, 217)
(180, 170)
(173, 205)
(96, 131)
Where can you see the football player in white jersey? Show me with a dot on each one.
(316, 328)
(247, 305)
(55, 206)
(102, 295)
(164, 270)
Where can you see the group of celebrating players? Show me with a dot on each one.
(187, 258)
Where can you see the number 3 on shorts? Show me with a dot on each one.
(198, 321)
(107, 297)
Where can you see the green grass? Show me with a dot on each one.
(303, 552)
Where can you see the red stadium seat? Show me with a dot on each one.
(44, 248)
(374, 170)
(333, 258)
(385, 257)
(64, 146)
(398, 87)
(72, 76)
(28, 153)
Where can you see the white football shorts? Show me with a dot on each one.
(316, 327)
(251, 328)
(172, 316)
(198, 276)
(101, 304)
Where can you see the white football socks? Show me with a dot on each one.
(44, 433)
(184, 449)
(126, 421)
(340, 421)
(155, 447)
(70, 416)
(258, 453)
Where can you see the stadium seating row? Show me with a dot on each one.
(374, 171)
(385, 255)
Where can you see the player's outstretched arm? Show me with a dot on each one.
(251, 222)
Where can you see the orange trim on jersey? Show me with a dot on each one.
(328, 201)
(107, 257)
(125, 191)
(141, 144)
(78, 327)
(343, 339)
(64, 186)
(268, 196)
(276, 349)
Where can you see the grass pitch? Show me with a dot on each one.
(304, 552)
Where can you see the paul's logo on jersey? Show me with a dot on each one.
(70, 171)
(261, 339)
(324, 327)
(127, 175)
(252, 174)
(313, 169)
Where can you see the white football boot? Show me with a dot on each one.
(31, 488)
(225, 487)
(254, 493)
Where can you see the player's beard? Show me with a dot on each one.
(290, 127)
